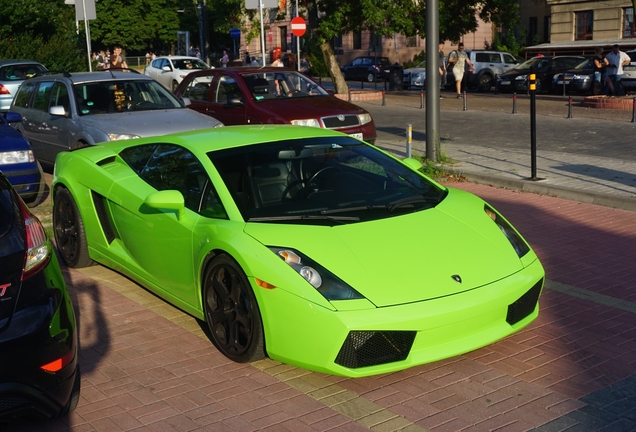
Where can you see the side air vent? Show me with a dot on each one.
(102, 214)
(524, 305)
(369, 348)
(106, 161)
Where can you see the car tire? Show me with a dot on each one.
(174, 86)
(370, 77)
(231, 311)
(39, 196)
(74, 398)
(68, 228)
(539, 86)
(485, 83)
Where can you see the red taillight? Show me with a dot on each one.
(38, 250)
(3, 90)
(59, 364)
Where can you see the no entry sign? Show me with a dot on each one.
(298, 26)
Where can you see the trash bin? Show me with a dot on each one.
(396, 77)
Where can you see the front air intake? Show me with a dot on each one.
(369, 348)
(524, 305)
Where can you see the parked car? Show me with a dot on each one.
(272, 95)
(299, 243)
(12, 75)
(38, 332)
(69, 110)
(487, 66)
(415, 77)
(170, 71)
(579, 79)
(628, 79)
(18, 163)
(544, 68)
(367, 68)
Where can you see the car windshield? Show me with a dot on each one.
(20, 72)
(330, 180)
(421, 64)
(189, 64)
(538, 63)
(283, 84)
(585, 64)
(106, 97)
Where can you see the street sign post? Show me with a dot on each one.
(298, 26)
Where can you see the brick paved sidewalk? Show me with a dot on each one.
(148, 367)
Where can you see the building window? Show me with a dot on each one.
(584, 25)
(282, 31)
(628, 23)
(546, 28)
(357, 40)
(532, 30)
(411, 41)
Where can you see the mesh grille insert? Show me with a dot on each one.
(369, 348)
(524, 305)
(335, 123)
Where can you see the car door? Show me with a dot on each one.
(199, 91)
(22, 104)
(159, 243)
(163, 76)
(354, 69)
(34, 121)
(227, 103)
(59, 133)
(509, 62)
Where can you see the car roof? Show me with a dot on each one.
(243, 70)
(178, 58)
(82, 77)
(18, 61)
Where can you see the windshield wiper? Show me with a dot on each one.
(402, 202)
(303, 217)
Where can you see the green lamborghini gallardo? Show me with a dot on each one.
(302, 244)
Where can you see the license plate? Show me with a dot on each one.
(356, 135)
(561, 82)
(505, 83)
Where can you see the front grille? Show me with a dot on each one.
(369, 348)
(524, 305)
(342, 121)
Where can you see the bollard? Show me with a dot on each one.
(409, 139)
(563, 77)
(570, 107)
(634, 111)
(383, 100)
(465, 107)
(421, 99)
(362, 85)
(514, 103)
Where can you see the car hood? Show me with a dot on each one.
(150, 123)
(407, 258)
(11, 139)
(415, 70)
(309, 107)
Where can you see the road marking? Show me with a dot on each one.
(591, 296)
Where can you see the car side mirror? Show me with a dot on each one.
(13, 117)
(167, 200)
(186, 101)
(57, 110)
(167, 68)
(235, 101)
(412, 163)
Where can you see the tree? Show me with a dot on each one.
(408, 17)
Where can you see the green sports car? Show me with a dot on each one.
(302, 244)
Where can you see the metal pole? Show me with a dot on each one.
(533, 126)
(297, 44)
(570, 107)
(383, 99)
(260, 8)
(421, 99)
(409, 139)
(432, 91)
(634, 110)
(514, 103)
(88, 38)
(465, 106)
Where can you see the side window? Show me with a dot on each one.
(172, 167)
(42, 96)
(59, 97)
(357, 62)
(482, 57)
(495, 58)
(198, 89)
(226, 89)
(24, 94)
(508, 59)
(156, 63)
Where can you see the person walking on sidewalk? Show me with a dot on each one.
(459, 59)
(600, 72)
(617, 59)
(442, 67)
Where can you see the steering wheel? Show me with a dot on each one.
(319, 172)
(141, 104)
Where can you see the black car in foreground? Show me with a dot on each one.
(39, 367)
(579, 79)
(543, 67)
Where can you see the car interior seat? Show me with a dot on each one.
(270, 182)
(260, 88)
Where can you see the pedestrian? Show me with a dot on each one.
(600, 70)
(225, 59)
(107, 60)
(616, 59)
(459, 59)
(278, 62)
(305, 64)
(247, 60)
(101, 58)
(116, 59)
(147, 58)
(254, 62)
(442, 67)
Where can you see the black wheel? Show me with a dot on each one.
(539, 86)
(74, 398)
(370, 77)
(69, 230)
(231, 311)
(485, 82)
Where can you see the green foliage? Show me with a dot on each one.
(58, 53)
(510, 42)
(417, 58)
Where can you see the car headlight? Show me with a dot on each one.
(364, 118)
(578, 77)
(16, 157)
(306, 122)
(119, 137)
(325, 282)
(519, 245)
(522, 78)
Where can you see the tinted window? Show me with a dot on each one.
(198, 88)
(24, 94)
(482, 57)
(59, 97)
(42, 96)
(189, 64)
(226, 89)
(508, 59)
(20, 72)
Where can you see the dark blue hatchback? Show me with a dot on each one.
(17, 162)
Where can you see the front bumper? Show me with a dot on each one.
(357, 343)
